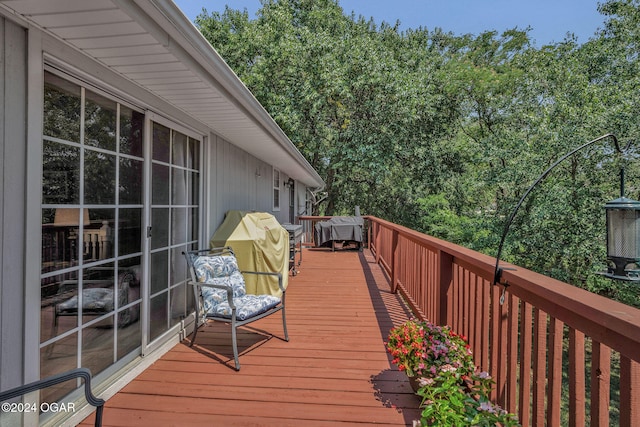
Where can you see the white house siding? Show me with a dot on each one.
(240, 181)
(13, 153)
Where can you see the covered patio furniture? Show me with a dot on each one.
(221, 294)
(340, 232)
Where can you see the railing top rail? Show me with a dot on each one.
(612, 323)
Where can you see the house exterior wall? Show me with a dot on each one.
(13, 149)
(240, 181)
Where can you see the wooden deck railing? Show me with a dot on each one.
(559, 355)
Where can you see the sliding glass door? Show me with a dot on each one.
(120, 202)
(92, 221)
(175, 219)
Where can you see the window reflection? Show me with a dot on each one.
(194, 154)
(161, 143)
(97, 345)
(56, 358)
(158, 315)
(159, 271)
(131, 127)
(53, 291)
(130, 181)
(178, 225)
(61, 109)
(160, 185)
(178, 304)
(99, 178)
(99, 121)
(60, 173)
(179, 149)
(159, 227)
(130, 231)
(61, 239)
(91, 234)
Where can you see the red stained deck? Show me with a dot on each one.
(333, 371)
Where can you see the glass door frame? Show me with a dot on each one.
(150, 345)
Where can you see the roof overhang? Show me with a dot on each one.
(154, 45)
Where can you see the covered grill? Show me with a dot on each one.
(260, 243)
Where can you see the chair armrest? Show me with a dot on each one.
(227, 288)
(267, 273)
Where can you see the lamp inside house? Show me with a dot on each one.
(623, 239)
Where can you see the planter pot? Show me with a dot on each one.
(414, 382)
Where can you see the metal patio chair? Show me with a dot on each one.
(220, 293)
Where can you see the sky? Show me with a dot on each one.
(550, 20)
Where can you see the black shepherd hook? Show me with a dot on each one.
(497, 275)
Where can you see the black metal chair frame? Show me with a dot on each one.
(83, 373)
(235, 323)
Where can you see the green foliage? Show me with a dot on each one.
(444, 133)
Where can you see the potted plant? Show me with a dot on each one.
(440, 366)
(420, 349)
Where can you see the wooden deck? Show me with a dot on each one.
(333, 371)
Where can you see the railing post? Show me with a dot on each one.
(378, 237)
(392, 262)
(445, 279)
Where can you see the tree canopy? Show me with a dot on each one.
(443, 133)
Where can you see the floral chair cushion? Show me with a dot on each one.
(247, 306)
(223, 270)
(218, 270)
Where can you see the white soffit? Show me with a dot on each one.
(151, 43)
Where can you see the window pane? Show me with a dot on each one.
(99, 178)
(159, 271)
(161, 143)
(97, 346)
(159, 227)
(61, 108)
(194, 154)
(57, 358)
(179, 187)
(130, 231)
(130, 183)
(60, 173)
(131, 128)
(97, 291)
(194, 225)
(178, 226)
(60, 237)
(178, 266)
(158, 316)
(98, 235)
(194, 187)
(179, 149)
(129, 332)
(178, 304)
(99, 121)
(160, 185)
(55, 292)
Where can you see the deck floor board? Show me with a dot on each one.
(334, 371)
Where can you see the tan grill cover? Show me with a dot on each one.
(260, 244)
